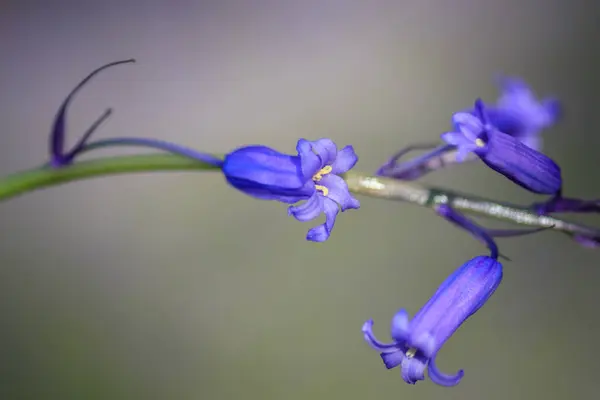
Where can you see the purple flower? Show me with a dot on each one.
(59, 156)
(520, 114)
(417, 341)
(503, 153)
(312, 175)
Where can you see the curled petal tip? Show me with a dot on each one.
(392, 359)
(443, 379)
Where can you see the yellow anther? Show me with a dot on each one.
(479, 143)
(323, 171)
(323, 189)
(410, 353)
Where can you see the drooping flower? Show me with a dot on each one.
(417, 341)
(59, 155)
(503, 153)
(311, 176)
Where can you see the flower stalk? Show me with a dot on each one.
(359, 183)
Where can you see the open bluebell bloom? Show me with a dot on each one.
(417, 341)
(503, 153)
(59, 156)
(520, 114)
(312, 175)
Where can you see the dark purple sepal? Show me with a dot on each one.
(59, 156)
(560, 204)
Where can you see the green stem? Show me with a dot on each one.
(30, 180)
(365, 184)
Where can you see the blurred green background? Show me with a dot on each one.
(175, 286)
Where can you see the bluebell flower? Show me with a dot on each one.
(312, 175)
(417, 341)
(503, 153)
(59, 155)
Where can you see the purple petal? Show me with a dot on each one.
(463, 144)
(367, 330)
(463, 293)
(393, 359)
(507, 121)
(321, 233)
(413, 370)
(456, 139)
(267, 174)
(345, 160)
(400, 326)
(326, 150)
(442, 379)
(521, 164)
(338, 192)
(309, 210)
(481, 112)
(310, 163)
(463, 152)
(469, 125)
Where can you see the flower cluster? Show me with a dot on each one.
(506, 137)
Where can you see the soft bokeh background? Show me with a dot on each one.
(175, 286)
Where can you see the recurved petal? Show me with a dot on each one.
(326, 150)
(521, 164)
(310, 162)
(338, 192)
(456, 138)
(443, 379)
(413, 370)
(463, 152)
(468, 124)
(346, 159)
(321, 233)
(308, 210)
(393, 359)
(367, 330)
